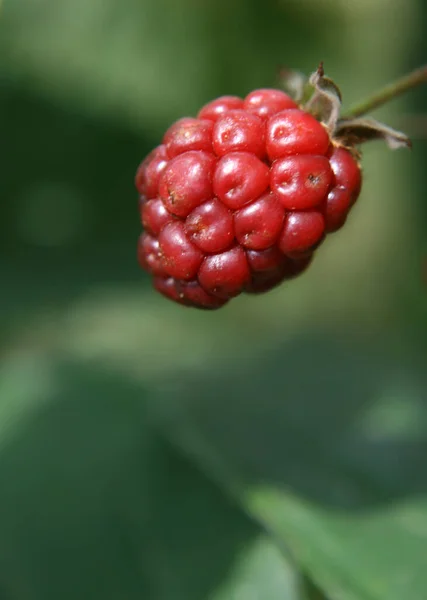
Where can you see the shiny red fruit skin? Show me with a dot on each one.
(238, 199)
(258, 224)
(154, 216)
(301, 181)
(302, 233)
(346, 171)
(265, 260)
(267, 102)
(186, 182)
(240, 177)
(149, 172)
(347, 183)
(294, 131)
(210, 226)
(213, 110)
(188, 134)
(179, 257)
(224, 275)
(167, 286)
(265, 281)
(192, 293)
(149, 255)
(336, 208)
(239, 131)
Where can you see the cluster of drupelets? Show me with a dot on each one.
(239, 198)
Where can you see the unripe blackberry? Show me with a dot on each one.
(237, 199)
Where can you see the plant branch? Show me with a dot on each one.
(388, 92)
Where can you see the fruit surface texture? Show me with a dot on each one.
(237, 199)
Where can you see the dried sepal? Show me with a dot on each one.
(353, 132)
(325, 101)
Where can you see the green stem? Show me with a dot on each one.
(388, 92)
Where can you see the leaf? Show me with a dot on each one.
(324, 442)
(312, 591)
(95, 504)
(261, 572)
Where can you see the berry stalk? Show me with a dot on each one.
(388, 92)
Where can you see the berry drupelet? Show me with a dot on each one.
(239, 198)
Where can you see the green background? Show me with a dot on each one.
(273, 450)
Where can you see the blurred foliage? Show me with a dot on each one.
(95, 504)
(340, 477)
(275, 449)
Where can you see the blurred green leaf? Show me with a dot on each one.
(95, 504)
(296, 437)
(312, 591)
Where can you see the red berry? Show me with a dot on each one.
(224, 275)
(210, 226)
(193, 293)
(154, 216)
(265, 260)
(301, 181)
(239, 131)
(347, 182)
(187, 181)
(337, 207)
(188, 134)
(258, 224)
(179, 257)
(302, 232)
(264, 282)
(239, 178)
(295, 266)
(294, 131)
(149, 255)
(149, 172)
(346, 171)
(218, 107)
(167, 286)
(266, 102)
(237, 199)
(141, 203)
